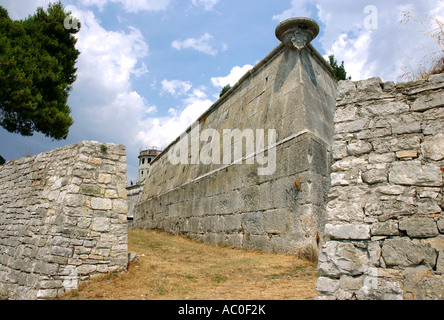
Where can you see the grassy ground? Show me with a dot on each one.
(174, 267)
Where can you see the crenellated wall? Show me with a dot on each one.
(63, 219)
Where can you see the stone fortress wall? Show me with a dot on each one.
(385, 219)
(291, 91)
(63, 219)
(358, 175)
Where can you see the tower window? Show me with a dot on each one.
(143, 160)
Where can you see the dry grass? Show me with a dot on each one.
(176, 268)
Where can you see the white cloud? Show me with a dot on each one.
(164, 130)
(105, 106)
(161, 131)
(297, 9)
(21, 9)
(235, 74)
(176, 87)
(132, 5)
(204, 44)
(207, 4)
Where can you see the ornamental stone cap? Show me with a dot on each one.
(297, 33)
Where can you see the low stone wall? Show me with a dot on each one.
(385, 218)
(62, 219)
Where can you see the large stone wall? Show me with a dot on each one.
(62, 219)
(385, 218)
(291, 91)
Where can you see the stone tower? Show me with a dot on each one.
(145, 158)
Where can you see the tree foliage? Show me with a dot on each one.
(37, 69)
(433, 61)
(338, 71)
(2, 161)
(224, 90)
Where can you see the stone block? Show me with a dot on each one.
(252, 223)
(427, 102)
(100, 224)
(415, 174)
(359, 147)
(404, 252)
(433, 147)
(419, 227)
(327, 285)
(120, 206)
(385, 109)
(440, 263)
(348, 231)
(346, 88)
(342, 258)
(374, 176)
(407, 154)
(388, 228)
(101, 203)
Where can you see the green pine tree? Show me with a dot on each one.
(2, 161)
(338, 71)
(37, 69)
(224, 90)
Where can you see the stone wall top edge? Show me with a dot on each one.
(349, 90)
(67, 147)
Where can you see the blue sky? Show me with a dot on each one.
(149, 68)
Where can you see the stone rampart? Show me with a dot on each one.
(62, 219)
(269, 196)
(385, 218)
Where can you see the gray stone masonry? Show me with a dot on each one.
(62, 219)
(385, 210)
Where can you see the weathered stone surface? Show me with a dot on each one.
(348, 232)
(440, 225)
(359, 147)
(402, 203)
(407, 154)
(433, 147)
(388, 228)
(386, 109)
(440, 263)
(101, 204)
(426, 102)
(419, 227)
(421, 284)
(403, 252)
(100, 224)
(337, 258)
(346, 88)
(373, 176)
(416, 174)
(327, 285)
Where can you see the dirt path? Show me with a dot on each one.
(176, 268)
